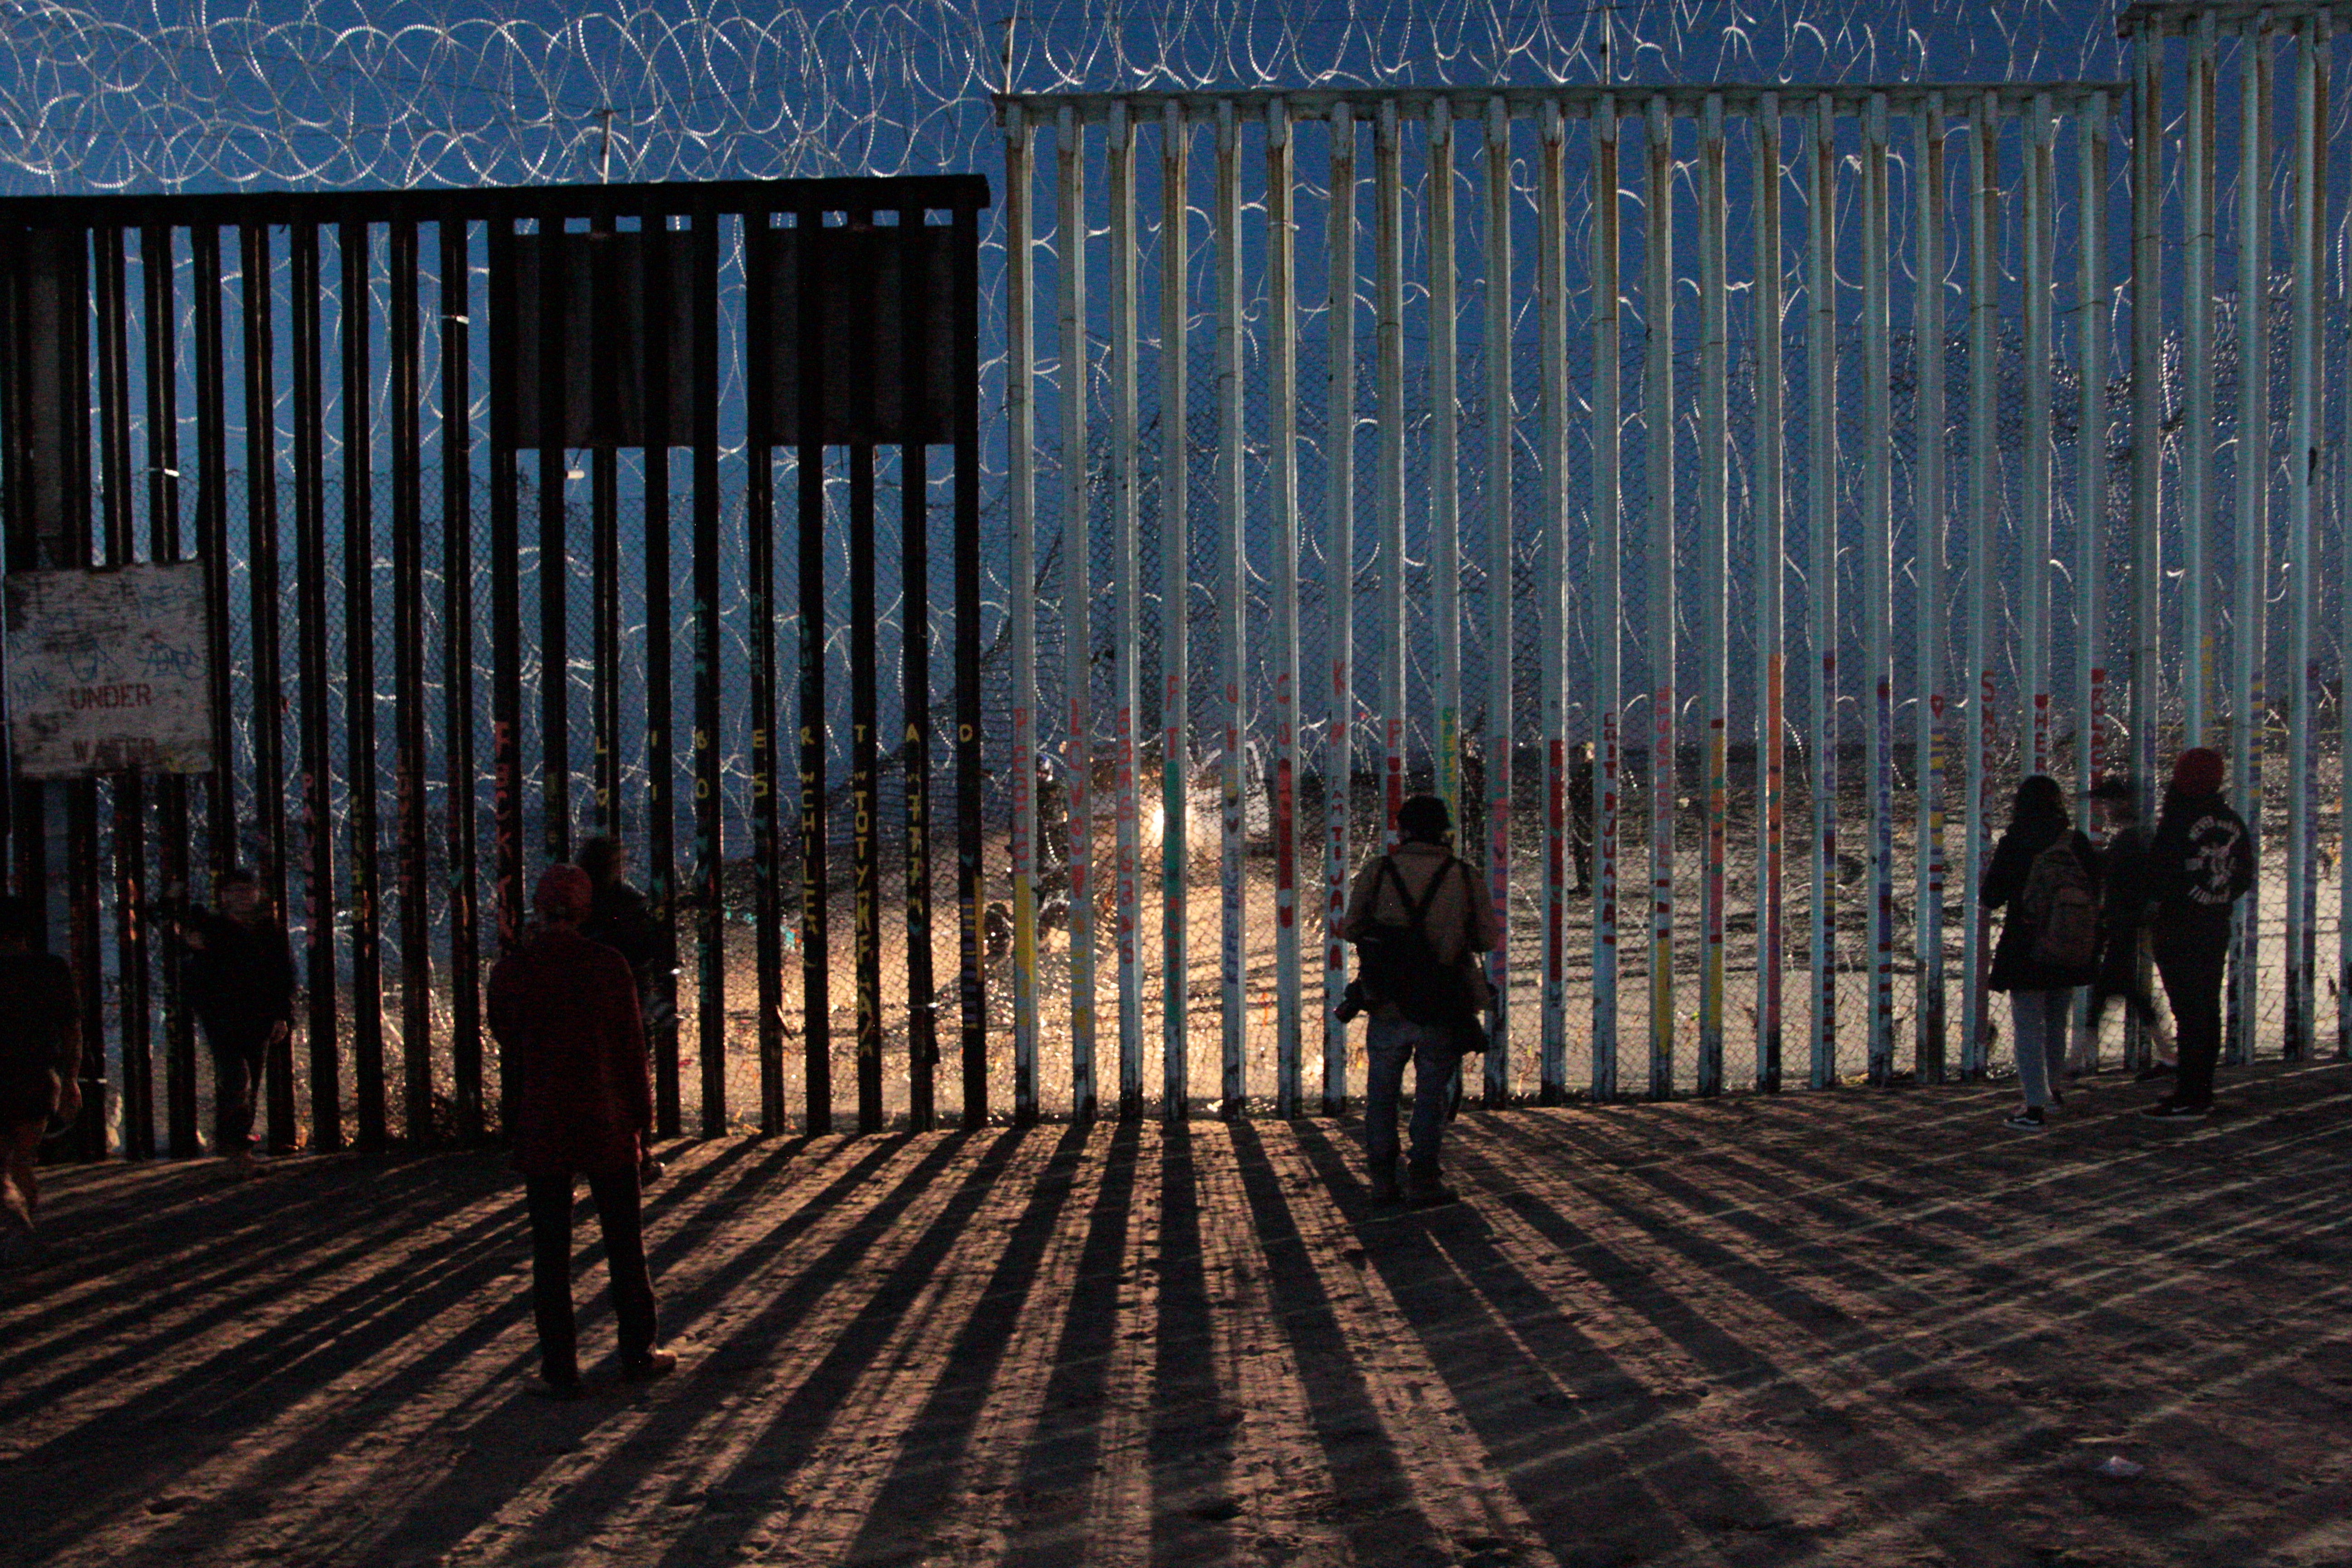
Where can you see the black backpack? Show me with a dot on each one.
(1397, 964)
(2062, 907)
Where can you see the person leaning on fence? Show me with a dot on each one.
(2123, 919)
(619, 917)
(240, 980)
(564, 1009)
(2044, 877)
(2200, 862)
(40, 1065)
(1424, 990)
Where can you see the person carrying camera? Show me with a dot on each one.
(1418, 917)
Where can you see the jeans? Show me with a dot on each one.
(236, 1083)
(2038, 1018)
(2119, 977)
(1390, 1043)
(2190, 962)
(618, 1215)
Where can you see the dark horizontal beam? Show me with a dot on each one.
(936, 192)
(1630, 99)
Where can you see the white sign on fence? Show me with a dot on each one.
(108, 669)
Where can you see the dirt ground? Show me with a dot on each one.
(1854, 1327)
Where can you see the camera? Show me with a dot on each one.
(1354, 1003)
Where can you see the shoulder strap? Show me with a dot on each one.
(1416, 915)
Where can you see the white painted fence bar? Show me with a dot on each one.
(2147, 413)
(2307, 230)
(1340, 600)
(1658, 418)
(2197, 434)
(1500, 735)
(1021, 417)
(1175, 626)
(1388, 202)
(2034, 584)
(1878, 591)
(1127, 501)
(1821, 588)
(1984, 186)
(1715, 585)
(2250, 637)
(1460, 690)
(1445, 455)
(1282, 395)
(2091, 562)
(1552, 293)
(1608, 508)
(1771, 672)
(1931, 511)
(1232, 602)
(1077, 587)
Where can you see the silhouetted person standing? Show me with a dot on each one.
(619, 917)
(1422, 895)
(2044, 877)
(240, 980)
(2123, 920)
(40, 1065)
(1579, 813)
(565, 1011)
(2201, 863)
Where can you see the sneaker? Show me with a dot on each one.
(2153, 1071)
(2173, 1111)
(2029, 1120)
(654, 1364)
(1427, 1192)
(549, 1386)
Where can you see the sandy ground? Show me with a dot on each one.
(1857, 1327)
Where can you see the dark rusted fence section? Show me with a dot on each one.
(273, 384)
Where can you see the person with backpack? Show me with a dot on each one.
(2201, 863)
(1418, 917)
(2123, 920)
(41, 1066)
(2044, 877)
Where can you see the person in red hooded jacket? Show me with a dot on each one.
(564, 1009)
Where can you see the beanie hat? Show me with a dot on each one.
(563, 893)
(2198, 772)
(2113, 786)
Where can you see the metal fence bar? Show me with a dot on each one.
(710, 928)
(458, 686)
(260, 366)
(1282, 395)
(1608, 517)
(759, 246)
(352, 313)
(160, 337)
(914, 681)
(1551, 300)
(114, 493)
(1715, 585)
(311, 597)
(1389, 302)
(212, 537)
(1931, 513)
(2034, 613)
(1821, 589)
(660, 753)
(2250, 635)
(1445, 545)
(2304, 391)
(1175, 618)
(1500, 732)
(1126, 484)
(1339, 597)
(1078, 636)
(554, 629)
(1231, 575)
(971, 874)
(404, 350)
(865, 753)
(1984, 189)
(2148, 414)
(1658, 415)
(1878, 588)
(2091, 565)
(1769, 177)
(1021, 484)
(2198, 432)
(815, 392)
